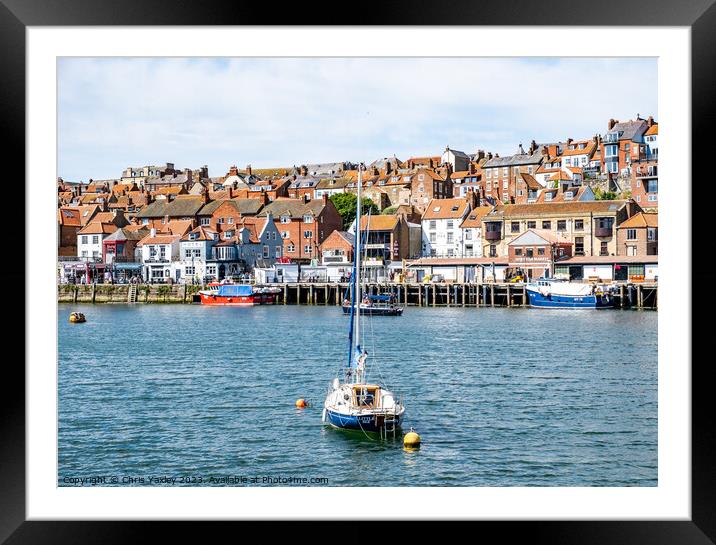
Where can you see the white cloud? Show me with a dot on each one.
(278, 112)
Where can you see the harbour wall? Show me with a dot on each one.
(629, 295)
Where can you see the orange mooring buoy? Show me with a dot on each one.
(301, 403)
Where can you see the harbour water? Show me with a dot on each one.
(501, 397)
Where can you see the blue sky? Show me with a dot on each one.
(117, 112)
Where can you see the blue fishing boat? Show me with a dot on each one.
(554, 293)
(355, 403)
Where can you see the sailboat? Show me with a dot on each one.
(356, 403)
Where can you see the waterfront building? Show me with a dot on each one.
(639, 235)
(589, 225)
(90, 237)
(609, 268)
(387, 239)
(160, 257)
(471, 228)
(195, 251)
(337, 255)
(457, 269)
(303, 225)
(536, 251)
(120, 253)
(442, 235)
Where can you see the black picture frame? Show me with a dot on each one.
(699, 15)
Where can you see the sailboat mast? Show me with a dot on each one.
(356, 276)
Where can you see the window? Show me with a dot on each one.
(266, 251)
(468, 234)
(578, 245)
(307, 234)
(515, 227)
(278, 251)
(505, 185)
(220, 221)
(548, 196)
(204, 221)
(84, 253)
(432, 238)
(285, 219)
(531, 224)
(84, 239)
(284, 234)
(449, 237)
(530, 252)
(450, 252)
(578, 225)
(631, 234)
(432, 224)
(493, 250)
(546, 225)
(307, 249)
(231, 221)
(187, 254)
(568, 195)
(307, 218)
(450, 224)
(518, 251)
(540, 251)
(651, 234)
(95, 239)
(291, 248)
(561, 225)
(603, 249)
(189, 270)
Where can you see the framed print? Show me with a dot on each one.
(411, 268)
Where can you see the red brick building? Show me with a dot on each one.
(303, 225)
(639, 235)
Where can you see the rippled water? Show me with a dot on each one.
(501, 397)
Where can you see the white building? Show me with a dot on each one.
(471, 228)
(90, 237)
(442, 235)
(160, 257)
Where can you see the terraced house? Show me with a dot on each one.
(303, 225)
(590, 226)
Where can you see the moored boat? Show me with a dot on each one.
(355, 403)
(554, 293)
(237, 295)
(375, 305)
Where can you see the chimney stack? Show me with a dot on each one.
(611, 124)
(248, 169)
(233, 171)
(650, 121)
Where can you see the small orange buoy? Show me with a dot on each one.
(301, 403)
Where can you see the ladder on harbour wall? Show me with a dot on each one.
(132, 294)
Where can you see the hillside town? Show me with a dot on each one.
(579, 209)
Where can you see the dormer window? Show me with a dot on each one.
(568, 195)
(307, 218)
(285, 219)
(436, 209)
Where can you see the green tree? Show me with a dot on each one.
(389, 210)
(345, 203)
(602, 195)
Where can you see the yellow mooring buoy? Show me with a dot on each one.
(411, 440)
(301, 403)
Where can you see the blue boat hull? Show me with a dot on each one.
(569, 301)
(374, 423)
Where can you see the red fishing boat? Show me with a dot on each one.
(237, 295)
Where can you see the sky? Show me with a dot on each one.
(279, 112)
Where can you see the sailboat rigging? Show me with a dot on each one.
(355, 403)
